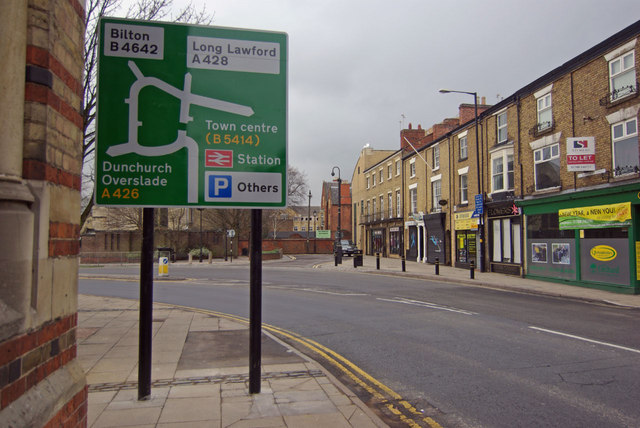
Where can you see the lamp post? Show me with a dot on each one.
(479, 176)
(308, 219)
(339, 232)
(200, 209)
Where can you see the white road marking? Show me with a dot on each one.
(427, 305)
(611, 345)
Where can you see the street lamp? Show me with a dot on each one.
(308, 219)
(479, 176)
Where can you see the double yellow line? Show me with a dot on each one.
(390, 399)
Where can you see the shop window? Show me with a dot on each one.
(622, 76)
(506, 241)
(501, 127)
(547, 167)
(625, 147)
(546, 226)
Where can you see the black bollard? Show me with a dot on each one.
(378, 261)
(404, 265)
(437, 266)
(471, 271)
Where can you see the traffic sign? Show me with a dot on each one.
(191, 116)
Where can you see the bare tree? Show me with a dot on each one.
(297, 186)
(124, 218)
(95, 9)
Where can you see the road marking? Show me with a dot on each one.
(312, 290)
(427, 305)
(584, 339)
(382, 393)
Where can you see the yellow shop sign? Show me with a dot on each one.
(595, 217)
(603, 253)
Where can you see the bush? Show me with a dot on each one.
(195, 252)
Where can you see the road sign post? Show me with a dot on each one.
(189, 116)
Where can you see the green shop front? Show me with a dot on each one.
(588, 238)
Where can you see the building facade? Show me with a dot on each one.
(543, 184)
(42, 383)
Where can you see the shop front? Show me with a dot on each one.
(505, 237)
(589, 239)
(377, 242)
(413, 241)
(436, 238)
(395, 241)
(466, 235)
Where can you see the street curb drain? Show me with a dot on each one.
(199, 380)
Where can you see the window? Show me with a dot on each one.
(464, 194)
(622, 76)
(502, 171)
(368, 208)
(398, 205)
(373, 179)
(361, 207)
(373, 208)
(389, 171)
(545, 120)
(381, 208)
(506, 240)
(625, 147)
(398, 167)
(368, 182)
(436, 191)
(501, 125)
(381, 176)
(413, 198)
(463, 147)
(412, 168)
(390, 199)
(436, 157)
(547, 167)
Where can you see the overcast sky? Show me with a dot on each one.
(357, 66)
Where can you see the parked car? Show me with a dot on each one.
(345, 248)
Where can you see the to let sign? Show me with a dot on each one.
(581, 154)
(191, 116)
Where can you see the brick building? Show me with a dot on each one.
(546, 185)
(332, 204)
(41, 382)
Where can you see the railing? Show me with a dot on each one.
(377, 217)
(619, 94)
(542, 128)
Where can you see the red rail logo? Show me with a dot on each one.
(218, 158)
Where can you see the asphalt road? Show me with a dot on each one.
(468, 355)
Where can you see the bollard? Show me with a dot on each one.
(471, 271)
(378, 261)
(437, 266)
(404, 265)
(336, 260)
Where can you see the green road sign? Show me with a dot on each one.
(191, 116)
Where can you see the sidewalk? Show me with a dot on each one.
(392, 266)
(200, 374)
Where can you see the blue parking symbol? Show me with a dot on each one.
(219, 186)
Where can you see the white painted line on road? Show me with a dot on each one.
(427, 305)
(294, 288)
(611, 345)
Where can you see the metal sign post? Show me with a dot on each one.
(189, 116)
